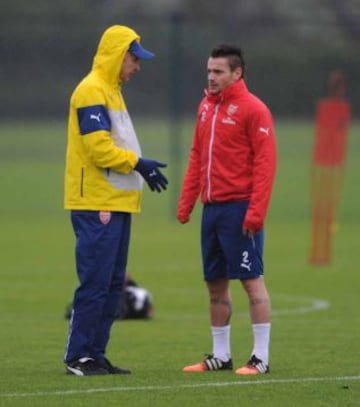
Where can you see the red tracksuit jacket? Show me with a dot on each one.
(233, 156)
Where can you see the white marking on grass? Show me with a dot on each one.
(180, 386)
(305, 305)
(315, 304)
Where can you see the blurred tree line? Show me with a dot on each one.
(290, 47)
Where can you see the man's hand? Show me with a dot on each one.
(248, 232)
(182, 218)
(251, 226)
(149, 170)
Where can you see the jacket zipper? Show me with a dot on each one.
(212, 136)
(82, 183)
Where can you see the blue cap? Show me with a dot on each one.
(140, 52)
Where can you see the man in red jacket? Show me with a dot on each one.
(232, 166)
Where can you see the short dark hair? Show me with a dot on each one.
(234, 55)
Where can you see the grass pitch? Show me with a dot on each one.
(315, 336)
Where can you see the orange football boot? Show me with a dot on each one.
(210, 363)
(254, 366)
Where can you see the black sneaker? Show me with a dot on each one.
(210, 363)
(106, 364)
(85, 367)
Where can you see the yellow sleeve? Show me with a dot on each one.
(90, 106)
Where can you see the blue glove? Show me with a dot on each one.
(149, 169)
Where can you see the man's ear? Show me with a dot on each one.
(238, 72)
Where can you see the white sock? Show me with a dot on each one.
(221, 342)
(261, 334)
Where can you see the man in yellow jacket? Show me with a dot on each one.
(103, 187)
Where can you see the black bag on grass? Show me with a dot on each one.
(135, 303)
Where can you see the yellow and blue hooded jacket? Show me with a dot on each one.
(102, 148)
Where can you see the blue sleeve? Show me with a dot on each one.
(93, 118)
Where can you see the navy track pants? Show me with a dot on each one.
(102, 244)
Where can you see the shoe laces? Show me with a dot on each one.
(254, 361)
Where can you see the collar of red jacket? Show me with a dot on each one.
(228, 93)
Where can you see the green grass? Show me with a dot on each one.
(314, 353)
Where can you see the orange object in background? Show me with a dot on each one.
(333, 115)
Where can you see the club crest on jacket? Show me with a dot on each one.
(105, 217)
